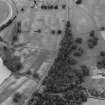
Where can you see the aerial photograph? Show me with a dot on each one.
(52, 52)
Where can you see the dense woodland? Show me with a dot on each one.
(62, 85)
(64, 81)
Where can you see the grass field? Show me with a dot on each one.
(92, 101)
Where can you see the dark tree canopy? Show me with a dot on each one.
(11, 61)
(63, 82)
